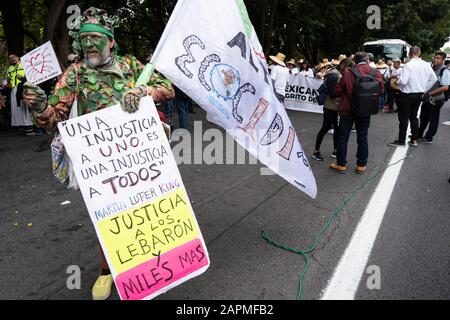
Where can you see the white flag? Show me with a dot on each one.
(210, 50)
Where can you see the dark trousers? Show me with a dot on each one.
(168, 107)
(362, 125)
(330, 120)
(408, 104)
(393, 94)
(182, 108)
(429, 115)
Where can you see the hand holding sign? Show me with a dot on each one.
(34, 97)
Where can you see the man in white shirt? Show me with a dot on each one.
(280, 74)
(434, 99)
(416, 78)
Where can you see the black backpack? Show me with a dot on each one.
(366, 94)
(446, 93)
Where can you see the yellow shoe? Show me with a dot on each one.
(360, 169)
(102, 287)
(338, 168)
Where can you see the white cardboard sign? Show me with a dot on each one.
(41, 64)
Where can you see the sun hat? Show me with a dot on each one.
(292, 61)
(279, 59)
(381, 64)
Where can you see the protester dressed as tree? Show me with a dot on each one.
(102, 79)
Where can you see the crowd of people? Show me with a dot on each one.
(357, 87)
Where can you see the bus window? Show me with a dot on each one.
(393, 51)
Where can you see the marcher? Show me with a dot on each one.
(372, 60)
(181, 102)
(394, 88)
(305, 69)
(384, 70)
(416, 78)
(321, 69)
(348, 113)
(280, 75)
(20, 116)
(331, 108)
(292, 67)
(433, 100)
(101, 80)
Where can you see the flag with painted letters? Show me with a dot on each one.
(209, 49)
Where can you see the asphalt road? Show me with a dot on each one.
(40, 238)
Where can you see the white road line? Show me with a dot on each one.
(350, 269)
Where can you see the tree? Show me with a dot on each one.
(316, 29)
(298, 28)
(12, 25)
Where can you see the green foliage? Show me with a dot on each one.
(321, 28)
(298, 28)
(141, 22)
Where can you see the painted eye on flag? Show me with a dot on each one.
(225, 81)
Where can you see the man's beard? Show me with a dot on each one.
(96, 60)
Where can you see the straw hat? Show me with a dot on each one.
(335, 62)
(292, 61)
(322, 65)
(381, 64)
(279, 58)
(341, 57)
(325, 61)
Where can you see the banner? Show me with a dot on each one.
(41, 64)
(301, 94)
(210, 50)
(136, 199)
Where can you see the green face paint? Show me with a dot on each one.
(95, 47)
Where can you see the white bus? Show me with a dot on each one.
(388, 49)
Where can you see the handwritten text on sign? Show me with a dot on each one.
(41, 64)
(136, 199)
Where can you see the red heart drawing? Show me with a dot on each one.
(38, 64)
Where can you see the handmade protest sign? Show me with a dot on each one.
(41, 64)
(217, 60)
(301, 94)
(136, 199)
